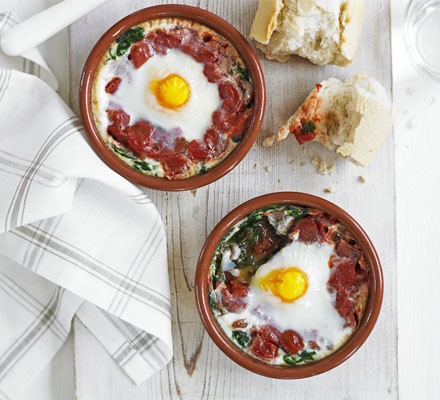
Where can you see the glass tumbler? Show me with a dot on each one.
(422, 35)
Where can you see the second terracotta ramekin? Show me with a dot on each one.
(276, 371)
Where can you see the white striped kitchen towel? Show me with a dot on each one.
(76, 239)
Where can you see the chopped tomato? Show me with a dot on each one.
(113, 85)
(263, 246)
(139, 138)
(264, 349)
(240, 323)
(213, 141)
(238, 123)
(238, 288)
(175, 165)
(324, 223)
(212, 72)
(220, 121)
(118, 117)
(120, 120)
(180, 145)
(314, 345)
(204, 55)
(308, 230)
(291, 341)
(230, 95)
(197, 151)
(119, 134)
(344, 307)
(270, 333)
(167, 40)
(342, 279)
(343, 272)
(302, 138)
(234, 292)
(344, 249)
(140, 52)
(189, 48)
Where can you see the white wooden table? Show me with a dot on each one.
(402, 179)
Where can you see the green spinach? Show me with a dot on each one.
(294, 212)
(124, 41)
(123, 152)
(307, 127)
(138, 165)
(241, 338)
(142, 166)
(241, 72)
(302, 356)
(213, 303)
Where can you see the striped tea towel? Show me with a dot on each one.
(75, 239)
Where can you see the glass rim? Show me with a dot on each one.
(411, 47)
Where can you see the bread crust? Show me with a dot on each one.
(374, 122)
(269, 17)
(265, 21)
(352, 14)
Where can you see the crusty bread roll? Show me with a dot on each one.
(324, 31)
(351, 117)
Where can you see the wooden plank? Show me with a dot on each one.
(417, 100)
(199, 370)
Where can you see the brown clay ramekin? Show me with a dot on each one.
(314, 368)
(220, 26)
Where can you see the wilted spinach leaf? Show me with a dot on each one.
(129, 37)
(309, 126)
(241, 338)
(241, 72)
(302, 356)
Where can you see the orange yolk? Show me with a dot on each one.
(288, 284)
(171, 92)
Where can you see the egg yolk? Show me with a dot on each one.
(171, 92)
(289, 284)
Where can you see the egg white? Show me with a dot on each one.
(135, 97)
(313, 316)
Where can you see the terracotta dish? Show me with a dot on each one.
(110, 43)
(249, 344)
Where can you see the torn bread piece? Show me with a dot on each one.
(324, 31)
(351, 118)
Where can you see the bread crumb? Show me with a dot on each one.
(279, 180)
(256, 165)
(194, 192)
(328, 190)
(410, 123)
(269, 141)
(292, 162)
(362, 179)
(321, 166)
(302, 163)
(304, 149)
(268, 168)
